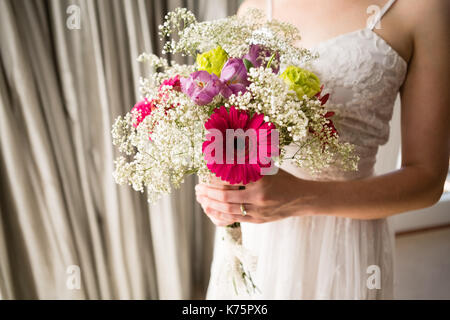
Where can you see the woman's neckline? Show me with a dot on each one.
(342, 35)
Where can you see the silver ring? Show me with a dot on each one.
(243, 211)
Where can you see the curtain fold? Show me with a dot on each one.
(60, 91)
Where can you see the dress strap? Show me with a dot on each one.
(269, 7)
(381, 14)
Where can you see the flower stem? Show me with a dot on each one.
(234, 225)
(270, 60)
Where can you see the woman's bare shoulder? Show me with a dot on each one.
(429, 22)
(422, 14)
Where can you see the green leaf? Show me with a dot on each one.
(248, 64)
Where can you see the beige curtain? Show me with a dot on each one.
(62, 217)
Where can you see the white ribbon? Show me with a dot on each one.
(240, 262)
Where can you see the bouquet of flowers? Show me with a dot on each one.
(232, 114)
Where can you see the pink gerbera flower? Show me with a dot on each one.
(252, 147)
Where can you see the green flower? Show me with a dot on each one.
(212, 60)
(302, 81)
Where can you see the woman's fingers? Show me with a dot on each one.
(229, 208)
(222, 212)
(218, 218)
(219, 223)
(208, 209)
(210, 204)
(222, 219)
(223, 195)
(220, 184)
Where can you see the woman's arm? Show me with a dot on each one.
(425, 140)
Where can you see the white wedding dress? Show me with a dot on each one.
(327, 257)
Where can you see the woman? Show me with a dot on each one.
(329, 238)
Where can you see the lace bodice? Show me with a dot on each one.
(363, 74)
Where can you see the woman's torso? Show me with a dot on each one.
(326, 256)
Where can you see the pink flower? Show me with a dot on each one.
(201, 87)
(142, 109)
(256, 56)
(173, 82)
(255, 145)
(234, 77)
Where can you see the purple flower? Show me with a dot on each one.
(201, 87)
(257, 55)
(233, 77)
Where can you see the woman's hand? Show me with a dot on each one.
(271, 198)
